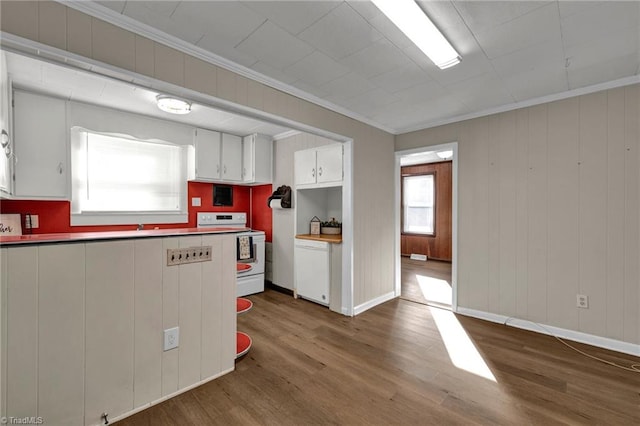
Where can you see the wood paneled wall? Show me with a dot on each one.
(549, 207)
(57, 25)
(436, 246)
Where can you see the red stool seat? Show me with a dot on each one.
(243, 343)
(243, 305)
(243, 267)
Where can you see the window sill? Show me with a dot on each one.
(127, 218)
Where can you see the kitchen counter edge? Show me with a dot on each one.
(328, 238)
(75, 237)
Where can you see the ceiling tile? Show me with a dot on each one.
(483, 16)
(594, 52)
(538, 82)
(481, 92)
(348, 86)
(274, 46)
(418, 94)
(366, 9)
(401, 78)
(568, 8)
(340, 33)
(272, 72)
(380, 57)
(230, 21)
(117, 6)
(613, 69)
(292, 16)
(164, 7)
(596, 22)
(140, 12)
(533, 28)
(317, 69)
(368, 103)
(215, 44)
(548, 53)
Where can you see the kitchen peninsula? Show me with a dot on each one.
(84, 316)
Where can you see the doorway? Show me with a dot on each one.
(426, 225)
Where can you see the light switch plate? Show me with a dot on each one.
(196, 202)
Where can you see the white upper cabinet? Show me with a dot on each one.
(319, 167)
(207, 144)
(6, 148)
(41, 165)
(231, 158)
(257, 159)
(218, 156)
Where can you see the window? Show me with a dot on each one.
(120, 179)
(418, 204)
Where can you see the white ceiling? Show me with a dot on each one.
(349, 56)
(82, 86)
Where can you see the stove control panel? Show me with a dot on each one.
(221, 219)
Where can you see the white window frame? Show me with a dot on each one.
(405, 205)
(78, 173)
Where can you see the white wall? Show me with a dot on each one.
(284, 221)
(548, 209)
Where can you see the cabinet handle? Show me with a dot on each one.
(59, 168)
(244, 172)
(313, 172)
(320, 171)
(217, 168)
(224, 170)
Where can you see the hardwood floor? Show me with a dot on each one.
(389, 365)
(411, 269)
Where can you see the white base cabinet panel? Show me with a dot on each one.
(313, 270)
(82, 325)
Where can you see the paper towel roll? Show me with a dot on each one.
(276, 203)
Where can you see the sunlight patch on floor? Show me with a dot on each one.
(435, 290)
(462, 351)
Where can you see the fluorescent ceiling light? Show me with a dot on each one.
(412, 21)
(444, 154)
(173, 105)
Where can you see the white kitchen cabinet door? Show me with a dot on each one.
(257, 159)
(6, 151)
(313, 270)
(208, 161)
(329, 163)
(40, 143)
(248, 157)
(231, 158)
(109, 362)
(305, 167)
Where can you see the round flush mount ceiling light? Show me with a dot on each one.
(173, 105)
(445, 154)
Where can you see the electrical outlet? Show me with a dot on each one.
(582, 301)
(171, 338)
(32, 221)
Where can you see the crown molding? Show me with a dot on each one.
(626, 81)
(108, 15)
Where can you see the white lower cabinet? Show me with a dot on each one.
(82, 325)
(313, 270)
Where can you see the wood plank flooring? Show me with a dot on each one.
(410, 269)
(389, 366)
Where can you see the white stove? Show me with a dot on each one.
(250, 277)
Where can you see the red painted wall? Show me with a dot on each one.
(55, 216)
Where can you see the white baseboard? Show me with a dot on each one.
(576, 336)
(373, 302)
(166, 397)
